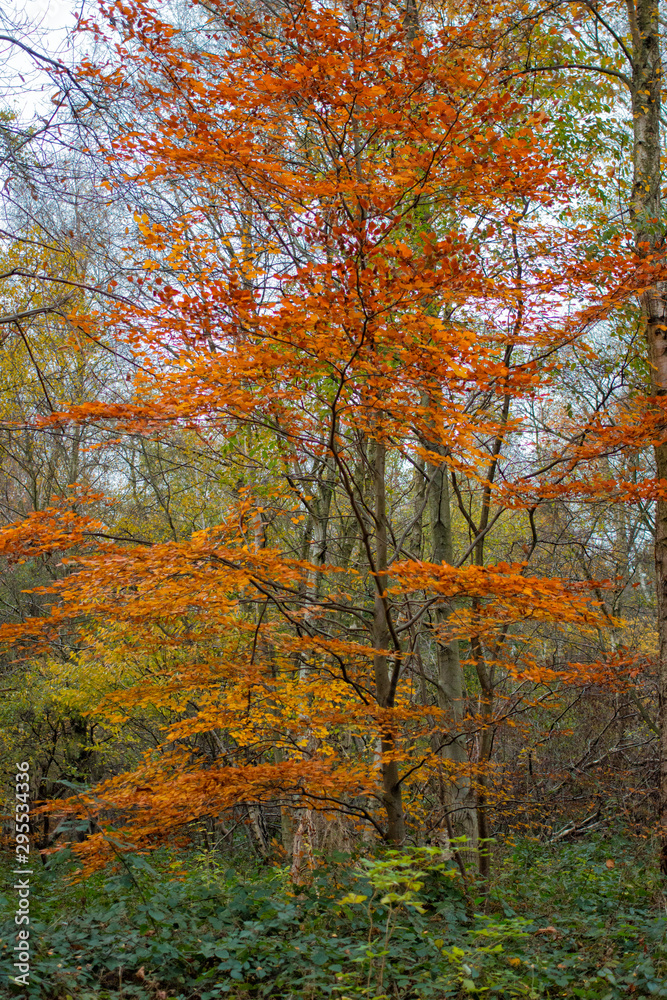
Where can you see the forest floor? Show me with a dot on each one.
(583, 919)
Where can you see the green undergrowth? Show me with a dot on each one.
(585, 919)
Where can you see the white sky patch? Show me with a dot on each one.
(45, 26)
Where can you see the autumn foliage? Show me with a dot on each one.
(364, 284)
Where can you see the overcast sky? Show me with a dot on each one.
(45, 26)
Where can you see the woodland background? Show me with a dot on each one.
(333, 598)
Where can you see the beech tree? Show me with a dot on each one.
(340, 329)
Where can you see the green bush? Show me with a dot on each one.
(556, 922)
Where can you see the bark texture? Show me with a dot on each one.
(382, 643)
(645, 210)
(450, 676)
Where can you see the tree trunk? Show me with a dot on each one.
(391, 788)
(486, 700)
(645, 211)
(450, 678)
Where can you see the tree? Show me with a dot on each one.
(352, 297)
(618, 46)
(646, 213)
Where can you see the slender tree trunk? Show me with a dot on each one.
(646, 217)
(297, 823)
(391, 789)
(450, 677)
(419, 482)
(486, 702)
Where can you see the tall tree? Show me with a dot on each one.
(622, 49)
(355, 286)
(646, 214)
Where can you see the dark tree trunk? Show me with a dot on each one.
(382, 641)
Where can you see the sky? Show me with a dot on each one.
(43, 25)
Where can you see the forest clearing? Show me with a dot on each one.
(333, 500)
